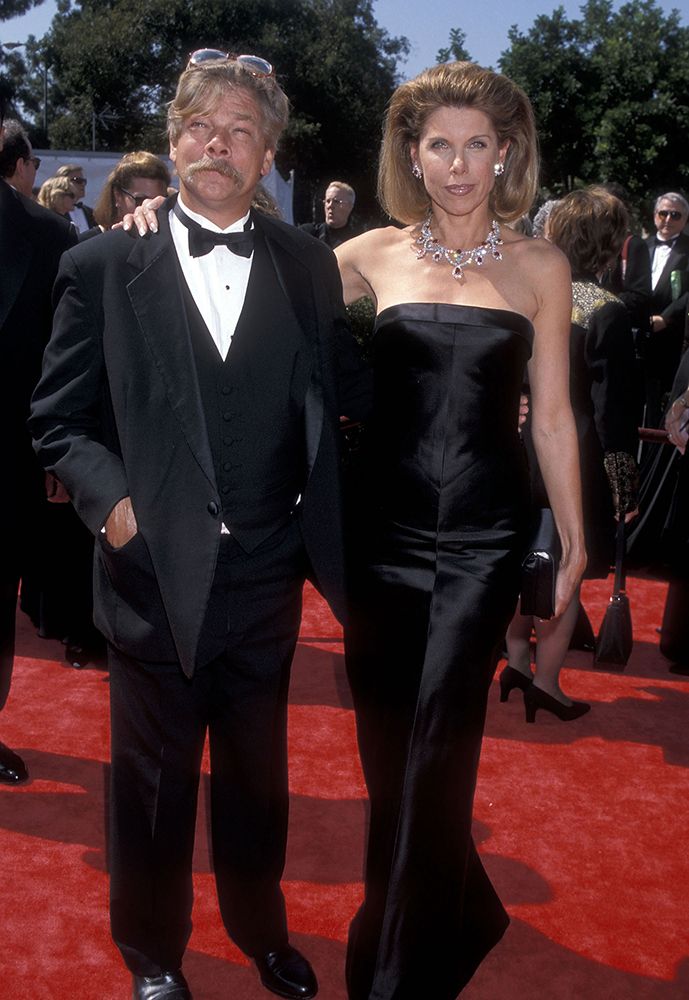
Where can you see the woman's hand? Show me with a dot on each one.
(144, 217)
(569, 576)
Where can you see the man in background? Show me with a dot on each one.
(32, 240)
(669, 254)
(338, 205)
(18, 165)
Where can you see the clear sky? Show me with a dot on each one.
(426, 23)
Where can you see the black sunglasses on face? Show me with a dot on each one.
(77, 180)
(36, 160)
(138, 199)
(665, 213)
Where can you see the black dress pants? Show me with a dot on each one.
(159, 721)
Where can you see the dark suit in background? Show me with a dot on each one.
(630, 280)
(663, 348)
(32, 241)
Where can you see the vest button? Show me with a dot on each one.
(225, 489)
(213, 508)
(226, 390)
(227, 415)
(227, 466)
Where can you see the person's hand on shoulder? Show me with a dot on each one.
(144, 218)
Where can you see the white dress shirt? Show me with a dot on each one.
(660, 256)
(217, 281)
(78, 217)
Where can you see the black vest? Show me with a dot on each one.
(254, 405)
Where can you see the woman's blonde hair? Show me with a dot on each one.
(458, 85)
(589, 226)
(138, 164)
(50, 191)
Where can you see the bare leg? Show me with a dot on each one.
(518, 641)
(552, 643)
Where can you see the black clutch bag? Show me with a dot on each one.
(539, 567)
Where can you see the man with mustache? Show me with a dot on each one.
(190, 402)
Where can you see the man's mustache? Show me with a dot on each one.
(218, 165)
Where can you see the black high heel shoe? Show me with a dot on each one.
(510, 679)
(535, 698)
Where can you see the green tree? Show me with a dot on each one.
(114, 65)
(610, 95)
(456, 51)
(13, 8)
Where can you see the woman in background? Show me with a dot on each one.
(136, 177)
(56, 194)
(436, 575)
(589, 226)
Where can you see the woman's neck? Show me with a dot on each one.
(460, 232)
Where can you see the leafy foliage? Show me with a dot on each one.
(13, 8)
(610, 95)
(456, 51)
(113, 65)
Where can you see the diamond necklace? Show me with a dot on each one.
(458, 259)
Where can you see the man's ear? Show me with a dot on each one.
(268, 161)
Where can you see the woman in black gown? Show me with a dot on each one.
(436, 576)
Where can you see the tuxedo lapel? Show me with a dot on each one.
(16, 250)
(155, 294)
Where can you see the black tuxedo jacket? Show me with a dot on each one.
(32, 240)
(672, 310)
(118, 412)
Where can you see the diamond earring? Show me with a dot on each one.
(499, 169)
(416, 170)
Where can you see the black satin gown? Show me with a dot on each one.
(435, 585)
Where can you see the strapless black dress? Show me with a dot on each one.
(435, 585)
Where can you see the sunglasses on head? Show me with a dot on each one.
(665, 213)
(255, 65)
(138, 199)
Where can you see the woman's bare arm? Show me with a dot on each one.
(553, 427)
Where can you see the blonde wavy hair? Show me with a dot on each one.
(458, 85)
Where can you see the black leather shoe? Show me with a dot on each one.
(167, 986)
(288, 974)
(12, 768)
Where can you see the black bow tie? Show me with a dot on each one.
(202, 241)
(664, 243)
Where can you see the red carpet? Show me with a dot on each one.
(583, 827)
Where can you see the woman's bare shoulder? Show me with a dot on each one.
(372, 241)
(537, 255)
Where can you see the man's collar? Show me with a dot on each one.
(236, 227)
